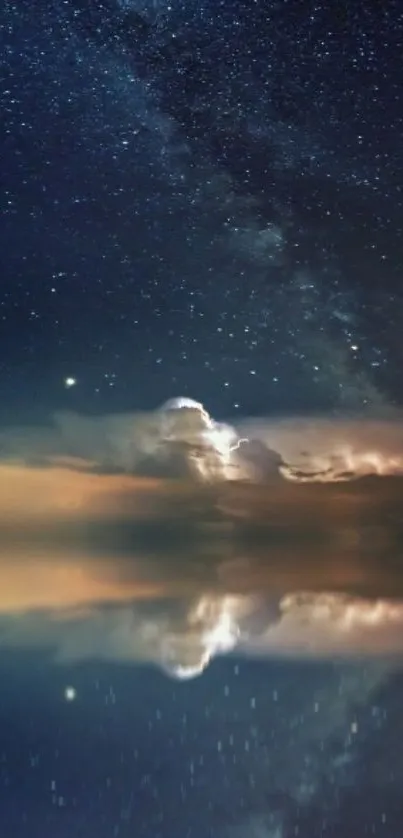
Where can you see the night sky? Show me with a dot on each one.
(200, 199)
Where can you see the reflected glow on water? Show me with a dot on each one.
(174, 572)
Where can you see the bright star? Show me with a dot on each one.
(70, 693)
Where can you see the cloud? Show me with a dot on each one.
(321, 624)
(182, 439)
(179, 636)
(179, 439)
(332, 448)
(182, 635)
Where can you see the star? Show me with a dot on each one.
(70, 693)
(70, 381)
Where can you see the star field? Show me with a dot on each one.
(187, 208)
(199, 199)
(135, 752)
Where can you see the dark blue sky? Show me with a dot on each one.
(200, 200)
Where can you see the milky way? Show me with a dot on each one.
(179, 207)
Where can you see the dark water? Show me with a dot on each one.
(290, 736)
(250, 749)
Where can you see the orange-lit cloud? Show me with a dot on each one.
(181, 438)
(332, 448)
(324, 624)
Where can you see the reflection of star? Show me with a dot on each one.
(70, 693)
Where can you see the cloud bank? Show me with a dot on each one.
(182, 439)
(183, 636)
(171, 538)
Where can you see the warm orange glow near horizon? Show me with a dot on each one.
(36, 576)
(67, 582)
(64, 490)
(55, 553)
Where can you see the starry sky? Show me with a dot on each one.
(200, 199)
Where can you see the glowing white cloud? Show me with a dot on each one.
(209, 445)
(183, 638)
(316, 449)
(212, 630)
(182, 438)
(325, 624)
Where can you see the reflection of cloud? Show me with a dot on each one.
(182, 636)
(212, 628)
(329, 624)
(33, 579)
(179, 636)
